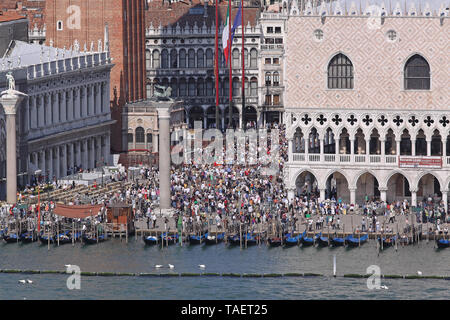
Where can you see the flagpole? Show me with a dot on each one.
(243, 63)
(230, 107)
(216, 65)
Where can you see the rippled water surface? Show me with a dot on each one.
(117, 256)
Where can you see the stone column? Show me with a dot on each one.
(383, 150)
(42, 162)
(11, 100)
(63, 106)
(84, 159)
(383, 194)
(352, 195)
(290, 150)
(69, 103)
(83, 101)
(322, 149)
(413, 147)
(33, 113)
(56, 117)
(98, 99)
(71, 157)
(322, 194)
(352, 146)
(164, 153)
(48, 109)
(77, 102)
(91, 104)
(107, 149)
(291, 194)
(64, 161)
(428, 147)
(57, 167)
(78, 159)
(445, 199)
(414, 198)
(51, 171)
(444, 147)
(397, 147)
(368, 146)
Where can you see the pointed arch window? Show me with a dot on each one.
(417, 73)
(340, 73)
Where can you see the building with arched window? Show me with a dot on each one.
(367, 104)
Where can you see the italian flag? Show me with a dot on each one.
(226, 37)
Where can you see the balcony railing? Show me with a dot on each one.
(370, 160)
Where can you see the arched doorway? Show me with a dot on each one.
(398, 188)
(195, 114)
(211, 117)
(235, 117)
(306, 185)
(429, 187)
(367, 188)
(250, 117)
(337, 187)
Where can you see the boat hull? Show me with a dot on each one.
(11, 238)
(337, 242)
(88, 240)
(442, 243)
(150, 241)
(323, 242)
(275, 242)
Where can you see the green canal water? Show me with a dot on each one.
(135, 257)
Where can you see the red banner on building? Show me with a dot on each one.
(419, 162)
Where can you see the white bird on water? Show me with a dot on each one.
(419, 273)
(29, 281)
(22, 281)
(201, 266)
(384, 287)
(171, 266)
(158, 266)
(67, 265)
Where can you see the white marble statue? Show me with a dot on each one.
(11, 81)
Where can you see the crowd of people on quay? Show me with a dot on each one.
(226, 195)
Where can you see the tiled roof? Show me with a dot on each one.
(33, 10)
(10, 16)
(184, 13)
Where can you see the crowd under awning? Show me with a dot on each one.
(77, 212)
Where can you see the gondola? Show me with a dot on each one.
(27, 237)
(169, 239)
(306, 241)
(352, 241)
(196, 239)
(388, 242)
(44, 239)
(442, 243)
(251, 240)
(337, 242)
(151, 240)
(290, 241)
(275, 241)
(234, 240)
(323, 241)
(63, 237)
(91, 239)
(11, 237)
(211, 239)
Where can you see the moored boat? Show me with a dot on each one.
(196, 239)
(150, 240)
(388, 242)
(44, 239)
(323, 241)
(169, 239)
(234, 240)
(251, 240)
(275, 241)
(213, 239)
(337, 242)
(11, 237)
(27, 237)
(442, 243)
(352, 241)
(92, 239)
(306, 241)
(291, 241)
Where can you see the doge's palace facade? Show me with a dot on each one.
(367, 103)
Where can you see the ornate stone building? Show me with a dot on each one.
(368, 112)
(65, 121)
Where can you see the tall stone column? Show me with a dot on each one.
(91, 103)
(445, 199)
(352, 195)
(414, 198)
(78, 158)
(413, 147)
(98, 99)
(77, 102)
(11, 100)
(51, 166)
(63, 172)
(84, 157)
(383, 194)
(163, 108)
(63, 106)
(397, 147)
(48, 109)
(107, 149)
(322, 194)
(428, 147)
(33, 113)
(83, 94)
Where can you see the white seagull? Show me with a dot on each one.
(22, 281)
(201, 266)
(67, 265)
(29, 281)
(171, 266)
(384, 287)
(419, 273)
(158, 266)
